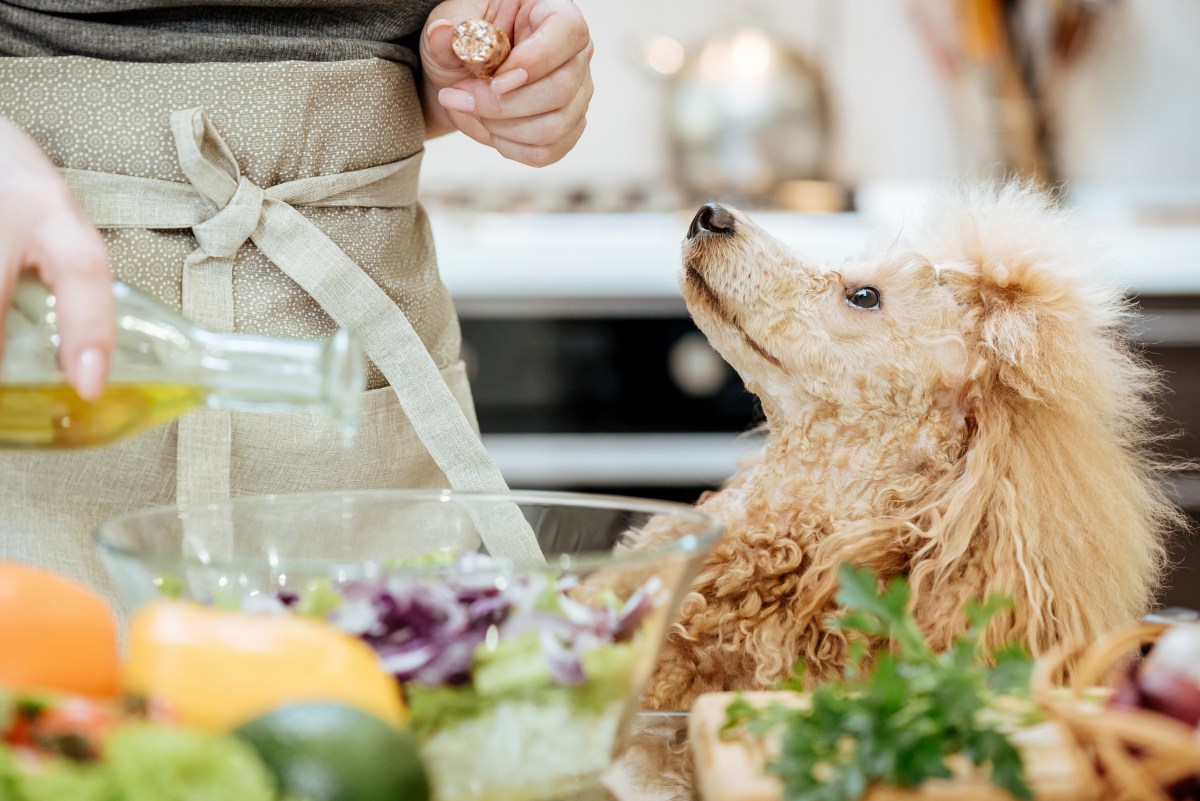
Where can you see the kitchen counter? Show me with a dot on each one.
(613, 460)
(569, 264)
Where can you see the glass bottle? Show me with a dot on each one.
(162, 366)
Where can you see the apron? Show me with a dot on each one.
(271, 198)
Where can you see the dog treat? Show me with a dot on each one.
(481, 46)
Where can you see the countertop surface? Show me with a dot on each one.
(496, 260)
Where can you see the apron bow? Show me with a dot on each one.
(224, 210)
(223, 234)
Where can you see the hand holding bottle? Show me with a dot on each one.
(162, 367)
(42, 229)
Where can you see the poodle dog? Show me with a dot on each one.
(964, 410)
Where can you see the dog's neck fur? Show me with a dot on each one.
(837, 458)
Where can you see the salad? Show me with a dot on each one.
(89, 749)
(203, 704)
(515, 687)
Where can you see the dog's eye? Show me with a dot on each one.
(865, 297)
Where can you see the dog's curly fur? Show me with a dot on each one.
(986, 429)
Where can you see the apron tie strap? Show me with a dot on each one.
(223, 234)
(205, 440)
(224, 209)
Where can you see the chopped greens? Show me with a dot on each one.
(143, 763)
(170, 586)
(320, 600)
(432, 559)
(900, 719)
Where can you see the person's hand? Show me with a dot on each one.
(43, 229)
(533, 109)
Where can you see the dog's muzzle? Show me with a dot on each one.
(713, 218)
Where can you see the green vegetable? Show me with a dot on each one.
(156, 763)
(145, 763)
(170, 586)
(899, 721)
(516, 670)
(8, 711)
(60, 779)
(331, 752)
(431, 708)
(609, 669)
(319, 600)
(431, 559)
(9, 775)
(513, 666)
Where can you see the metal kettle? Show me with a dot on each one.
(746, 114)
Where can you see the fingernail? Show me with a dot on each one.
(508, 81)
(457, 100)
(436, 25)
(90, 369)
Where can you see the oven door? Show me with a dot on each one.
(636, 405)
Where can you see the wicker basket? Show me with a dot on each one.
(1131, 754)
(1082, 751)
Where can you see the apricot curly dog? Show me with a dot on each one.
(965, 410)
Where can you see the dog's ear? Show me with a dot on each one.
(947, 347)
(1036, 321)
(1057, 499)
(920, 272)
(1036, 307)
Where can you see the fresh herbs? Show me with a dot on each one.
(900, 720)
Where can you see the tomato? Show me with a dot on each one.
(75, 727)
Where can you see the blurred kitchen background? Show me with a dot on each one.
(832, 119)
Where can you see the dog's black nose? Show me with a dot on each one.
(712, 218)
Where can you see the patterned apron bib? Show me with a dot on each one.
(271, 198)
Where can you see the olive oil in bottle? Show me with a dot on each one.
(162, 367)
(53, 416)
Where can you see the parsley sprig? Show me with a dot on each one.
(898, 721)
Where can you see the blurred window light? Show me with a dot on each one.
(750, 55)
(664, 55)
(714, 61)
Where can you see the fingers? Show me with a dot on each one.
(9, 269)
(540, 155)
(533, 110)
(472, 127)
(69, 255)
(43, 229)
(535, 155)
(558, 33)
(437, 49)
(554, 91)
(77, 271)
(535, 125)
(545, 128)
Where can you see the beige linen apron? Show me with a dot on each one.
(273, 198)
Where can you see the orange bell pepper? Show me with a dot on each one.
(55, 635)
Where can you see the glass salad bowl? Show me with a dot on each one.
(521, 676)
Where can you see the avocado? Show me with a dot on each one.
(331, 752)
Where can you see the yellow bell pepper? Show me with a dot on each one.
(216, 670)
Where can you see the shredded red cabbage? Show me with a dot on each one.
(427, 631)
